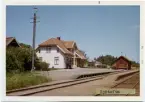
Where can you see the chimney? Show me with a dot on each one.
(58, 38)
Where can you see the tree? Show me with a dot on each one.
(25, 45)
(107, 59)
(135, 64)
(95, 59)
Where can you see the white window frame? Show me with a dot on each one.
(48, 50)
(56, 60)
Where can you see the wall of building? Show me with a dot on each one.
(121, 63)
(49, 57)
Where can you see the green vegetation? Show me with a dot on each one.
(135, 64)
(18, 66)
(20, 59)
(42, 66)
(108, 59)
(20, 80)
(25, 45)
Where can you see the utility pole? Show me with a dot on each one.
(34, 34)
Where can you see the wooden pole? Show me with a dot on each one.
(33, 40)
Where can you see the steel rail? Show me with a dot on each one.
(133, 87)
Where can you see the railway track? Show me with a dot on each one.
(38, 89)
(132, 82)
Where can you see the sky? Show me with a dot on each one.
(97, 30)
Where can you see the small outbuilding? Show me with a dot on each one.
(122, 63)
(11, 42)
(97, 63)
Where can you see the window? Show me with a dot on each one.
(57, 50)
(39, 50)
(56, 60)
(48, 50)
(40, 58)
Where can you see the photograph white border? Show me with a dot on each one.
(66, 2)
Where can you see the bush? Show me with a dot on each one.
(25, 58)
(19, 59)
(42, 66)
(12, 63)
(15, 81)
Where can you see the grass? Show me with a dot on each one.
(20, 80)
(54, 69)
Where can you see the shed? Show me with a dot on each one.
(12, 42)
(122, 63)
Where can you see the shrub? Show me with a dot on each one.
(42, 66)
(25, 58)
(19, 59)
(12, 62)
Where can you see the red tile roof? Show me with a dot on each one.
(69, 44)
(55, 41)
(80, 54)
(63, 45)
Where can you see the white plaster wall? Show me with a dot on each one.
(49, 57)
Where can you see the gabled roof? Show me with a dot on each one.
(120, 58)
(125, 58)
(9, 40)
(80, 54)
(56, 42)
(68, 44)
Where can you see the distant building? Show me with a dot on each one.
(122, 63)
(90, 63)
(97, 64)
(59, 53)
(12, 42)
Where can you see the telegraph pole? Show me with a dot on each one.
(33, 40)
